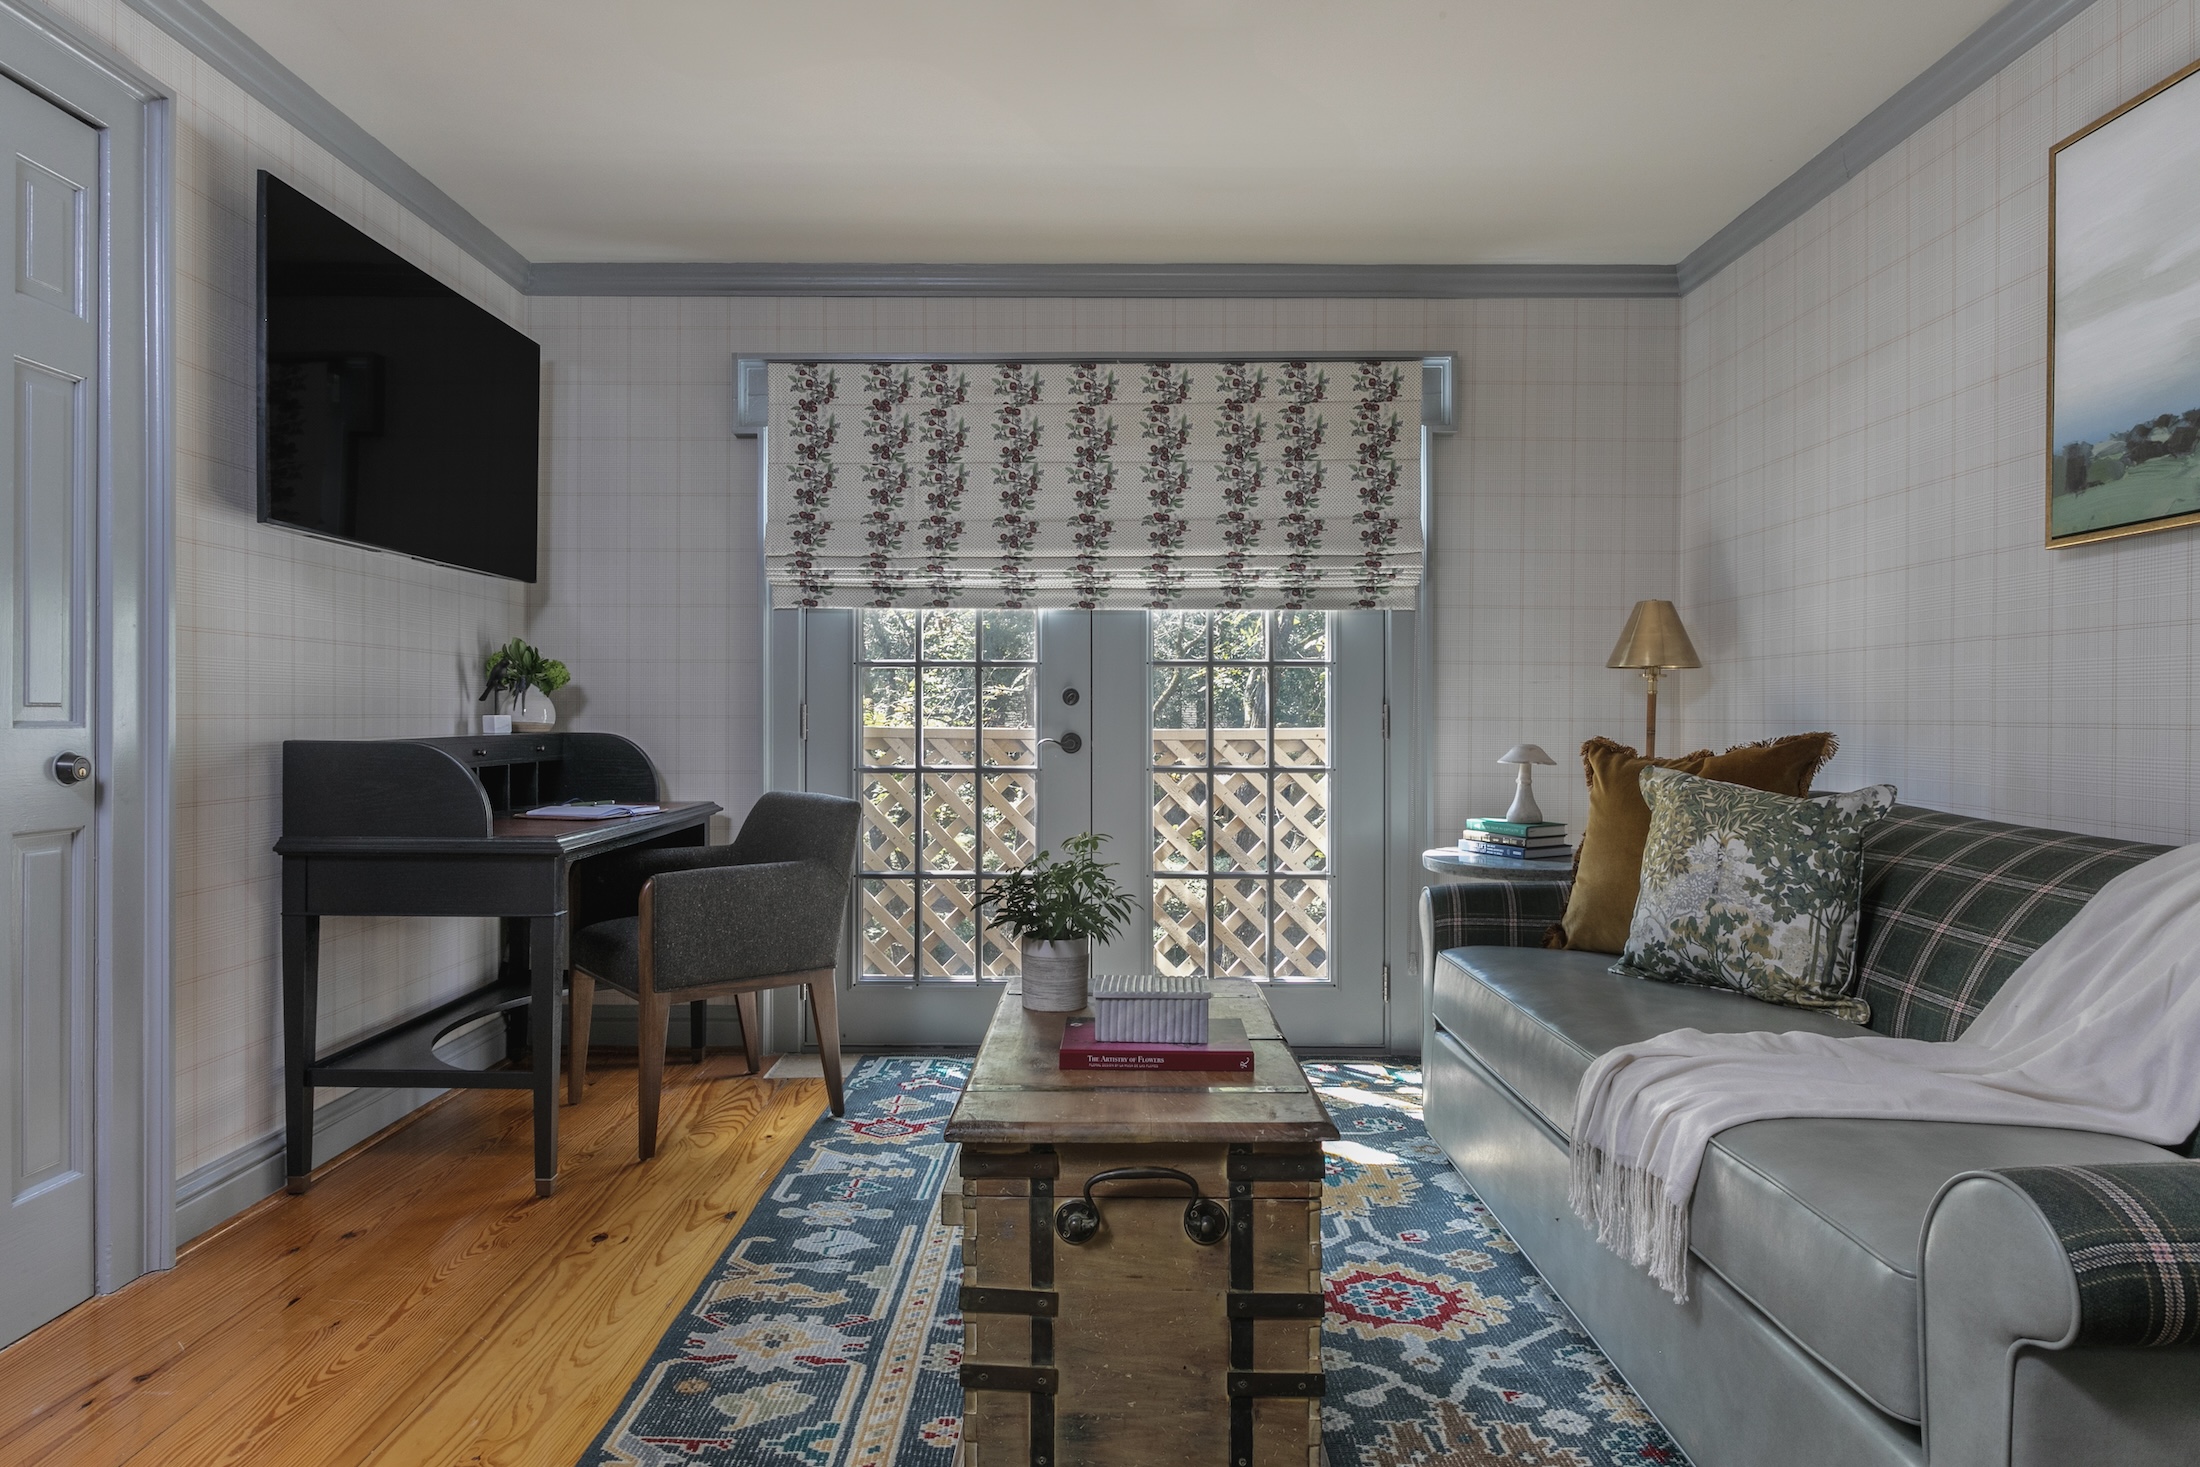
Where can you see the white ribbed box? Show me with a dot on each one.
(1149, 1008)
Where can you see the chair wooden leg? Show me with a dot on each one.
(698, 1028)
(752, 1037)
(650, 1037)
(582, 987)
(825, 1009)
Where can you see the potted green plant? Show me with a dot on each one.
(527, 679)
(1055, 908)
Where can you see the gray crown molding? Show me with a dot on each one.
(1176, 282)
(238, 57)
(2010, 32)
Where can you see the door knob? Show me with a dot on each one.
(1069, 743)
(72, 768)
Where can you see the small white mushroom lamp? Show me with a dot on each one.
(1524, 808)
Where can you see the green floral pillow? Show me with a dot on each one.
(1752, 891)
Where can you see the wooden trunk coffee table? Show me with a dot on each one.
(1140, 1343)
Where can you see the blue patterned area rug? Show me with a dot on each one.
(827, 1336)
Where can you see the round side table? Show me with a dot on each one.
(1471, 866)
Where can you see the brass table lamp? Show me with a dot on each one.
(1654, 642)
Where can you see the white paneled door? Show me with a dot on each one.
(47, 454)
(1234, 760)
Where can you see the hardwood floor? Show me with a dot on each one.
(420, 1305)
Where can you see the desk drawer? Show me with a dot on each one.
(424, 886)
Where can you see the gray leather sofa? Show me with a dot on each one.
(1852, 1301)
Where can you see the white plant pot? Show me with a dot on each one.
(1055, 974)
(534, 713)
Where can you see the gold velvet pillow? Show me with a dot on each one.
(1608, 862)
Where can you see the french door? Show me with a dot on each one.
(1235, 762)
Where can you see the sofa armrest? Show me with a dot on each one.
(2035, 1259)
(1492, 913)
(1485, 914)
(2130, 1234)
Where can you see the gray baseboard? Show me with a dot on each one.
(226, 1186)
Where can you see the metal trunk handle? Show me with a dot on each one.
(1206, 1221)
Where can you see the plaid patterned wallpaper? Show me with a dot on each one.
(1863, 401)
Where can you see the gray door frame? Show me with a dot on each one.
(133, 1145)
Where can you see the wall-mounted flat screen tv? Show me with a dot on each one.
(393, 411)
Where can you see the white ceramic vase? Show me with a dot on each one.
(534, 712)
(1055, 974)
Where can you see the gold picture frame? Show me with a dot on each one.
(2123, 321)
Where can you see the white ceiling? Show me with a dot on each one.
(1182, 131)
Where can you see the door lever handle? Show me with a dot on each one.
(1068, 743)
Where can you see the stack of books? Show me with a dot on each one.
(1541, 840)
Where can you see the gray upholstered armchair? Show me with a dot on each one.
(724, 922)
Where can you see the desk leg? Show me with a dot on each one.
(514, 964)
(301, 994)
(546, 953)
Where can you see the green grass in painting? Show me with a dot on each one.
(2154, 490)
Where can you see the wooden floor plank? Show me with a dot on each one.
(508, 1399)
(419, 1304)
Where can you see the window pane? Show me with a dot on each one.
(1301, 928)
(889, 823)
(950, 636)
(1302, 715)
(1179, 715)
(1302, 822)
(1302, 636)
(1241, 697)
(950, 930)
(1240, 636)
(1241, 820)
(1180, 822)
(889, 636)
(1011, 736)
(1009, 817)
(889, 918)
(1178, 634)
(1241, 715)
(1241, 928)
(1180, 926)
(950, 822)
(950, 711)
(1011, 636)
(999, 953)
(889, 716)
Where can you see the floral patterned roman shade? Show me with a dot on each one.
(1259, 485)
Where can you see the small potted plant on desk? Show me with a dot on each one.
(527, 679)
(1056, 909)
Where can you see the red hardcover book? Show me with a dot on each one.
(1226, 1051)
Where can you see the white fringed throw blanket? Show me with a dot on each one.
(2099, 1030)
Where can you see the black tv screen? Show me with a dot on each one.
(393, 411)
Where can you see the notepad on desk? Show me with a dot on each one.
(589, 810)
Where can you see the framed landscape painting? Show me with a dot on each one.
(2123, 360)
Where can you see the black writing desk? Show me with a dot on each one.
(425, 828)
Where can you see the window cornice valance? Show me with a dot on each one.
(1284, 484)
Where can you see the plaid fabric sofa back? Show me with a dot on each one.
(1952, 905)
